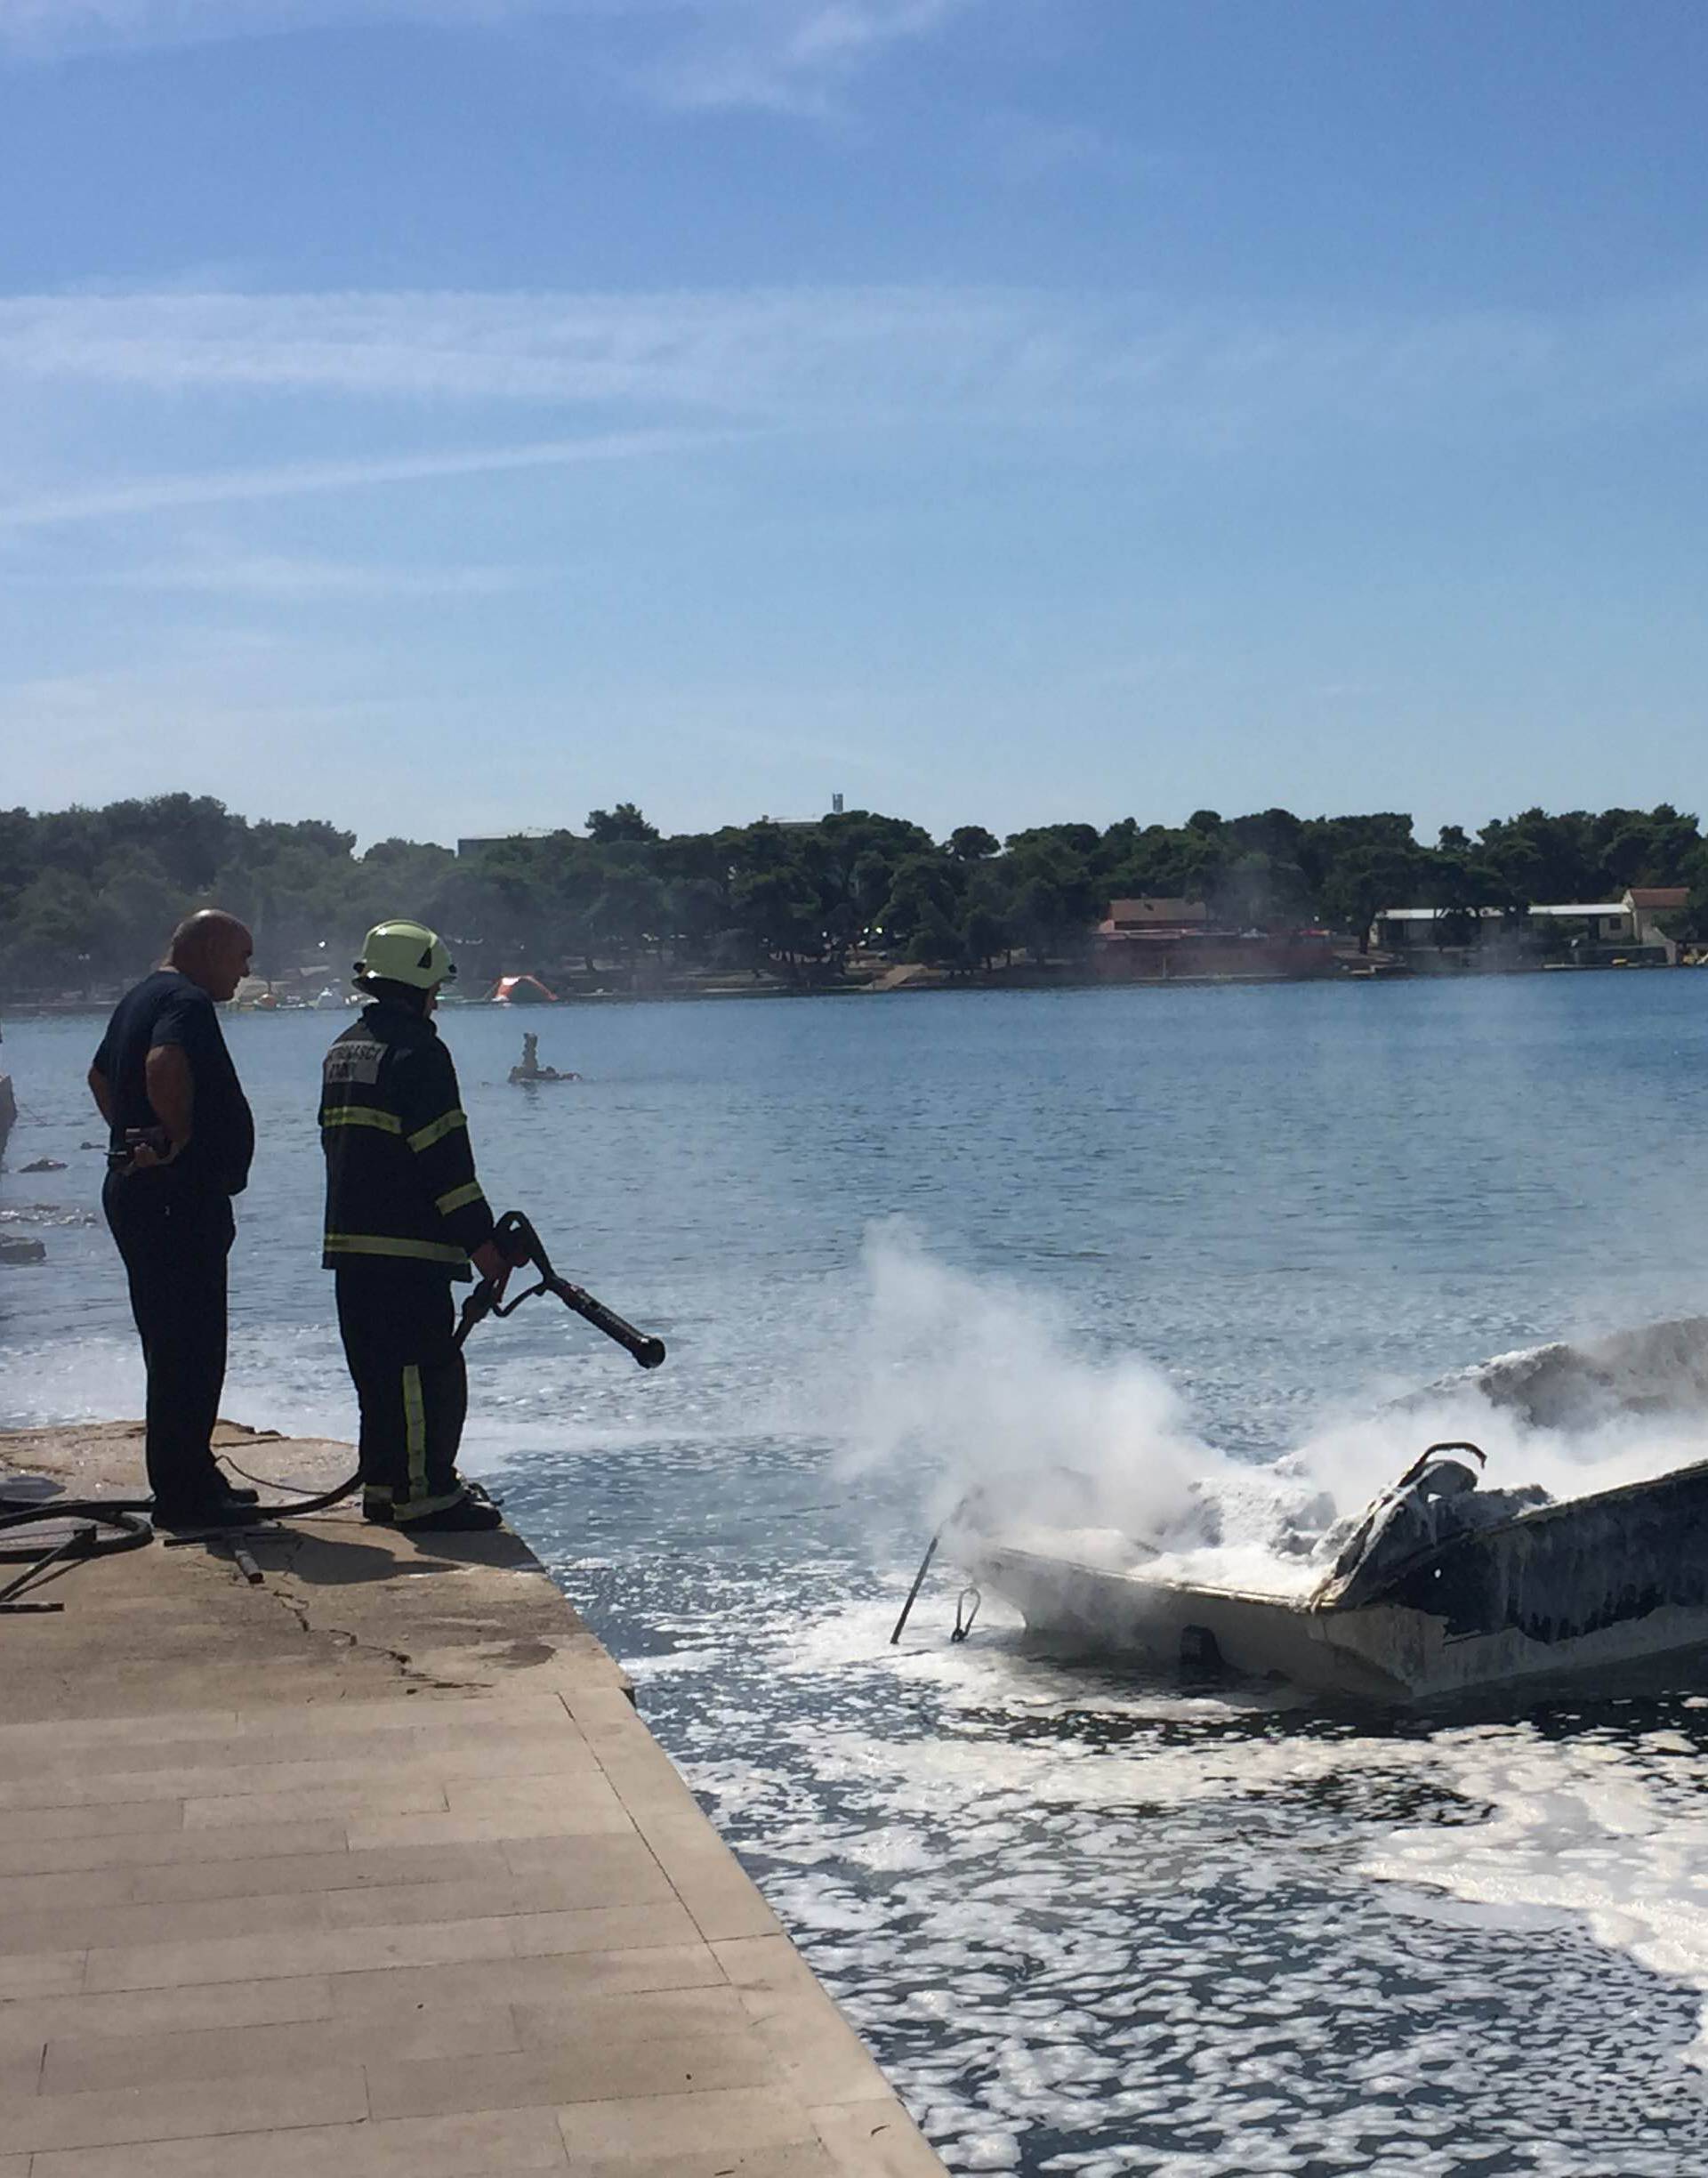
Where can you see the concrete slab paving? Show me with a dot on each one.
(276, 1873)
(178, 2109)
(88, 1926)
(721, 2122)
(46, 1973)
(20, 2068)
(371, 1868)
(558, 1977)
(479, 2145)
(311, 1951)
(74, 2065)
(187, 2011)
(82, 1887)
(798, 2159)
(593, 2022)
(156, 1847)
(569, 1892)
(661, 2065)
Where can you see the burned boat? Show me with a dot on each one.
(1440, 1586)
(1415, 1606)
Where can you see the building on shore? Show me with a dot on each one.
(1175, 941)
(1173, 918)
(1444, 940)
(1579, 933)
(1647, 904)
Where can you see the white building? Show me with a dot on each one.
(1462, 929)
(1600, 922)
(1407, 930)
(1647, 903)
(1586, 926)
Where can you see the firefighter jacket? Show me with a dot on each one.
(399, 1167)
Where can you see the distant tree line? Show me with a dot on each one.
(87, 895)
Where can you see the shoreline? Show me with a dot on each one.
(927, 985)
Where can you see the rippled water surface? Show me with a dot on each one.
(1089, 1923)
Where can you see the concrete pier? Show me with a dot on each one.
(370, 1869)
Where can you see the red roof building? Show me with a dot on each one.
(1173, 916)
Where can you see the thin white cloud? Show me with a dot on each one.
(787, 56)
(735, 353)
(778, 55)
(1030, 147)
(1123, 367)
(274, 576)
(44, 29)
(294, 479)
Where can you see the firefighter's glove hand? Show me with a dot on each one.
(494, 1266)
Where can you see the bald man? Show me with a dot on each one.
(180, 1139)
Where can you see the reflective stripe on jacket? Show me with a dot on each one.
(400, 1180)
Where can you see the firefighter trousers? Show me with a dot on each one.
(398, 1321)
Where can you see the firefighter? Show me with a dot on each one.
(405, 1216)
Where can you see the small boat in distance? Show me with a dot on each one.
(530, 1070)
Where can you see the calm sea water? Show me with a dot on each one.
(1089, 1923)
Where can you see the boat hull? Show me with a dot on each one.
(1164, 1623)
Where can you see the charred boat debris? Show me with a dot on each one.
(1439, 1586)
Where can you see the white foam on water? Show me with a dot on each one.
(86, 1378)
(1610, 1837)
(1027, 1805)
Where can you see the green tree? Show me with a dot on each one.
(778, 913)
(1055, 898)
(984, 932)
(135, 911)
(936, 942)
(1366, 878)
(973, 844)
(52, 933)
(924, 900)
(629, 911)
(619, 826)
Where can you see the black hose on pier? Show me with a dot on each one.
(97, 1527)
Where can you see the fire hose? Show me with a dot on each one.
(515, 1238)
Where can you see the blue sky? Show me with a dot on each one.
(449, 414)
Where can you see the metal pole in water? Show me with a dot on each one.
(919, 1582)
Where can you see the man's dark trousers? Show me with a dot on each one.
(174, 1240)
(399, 1324)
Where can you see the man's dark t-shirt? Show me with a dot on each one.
(168, 1008)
